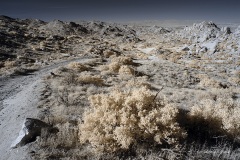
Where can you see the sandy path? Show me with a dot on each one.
(18, 100)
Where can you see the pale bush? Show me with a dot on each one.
(77, 66)
(108, 53)
(138, 82)
(114, 67)
(89, 79)
(206, 81)
(103, 67)
(221, 93)
(117, 62)
(216, 93)
(234, 80)
(222, 115)
(10, 64)
(126, 70)
(122, 118)
(123, 60)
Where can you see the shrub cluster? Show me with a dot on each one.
(126, 70)
(89, 79)
(124, 60)
(206, 81)
(122, 118)
(119, 64)
(77, 66)
(221, 115)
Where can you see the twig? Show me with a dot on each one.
(157, 93)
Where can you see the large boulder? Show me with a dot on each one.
(31, 128)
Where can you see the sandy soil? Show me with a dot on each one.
(18, 100)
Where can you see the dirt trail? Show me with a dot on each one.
(18, 100)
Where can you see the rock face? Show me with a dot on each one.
(201, 31)
(31, 128)
(113, 30)
(237, 31)
(158, 30)
(226, 30)
(60, 28)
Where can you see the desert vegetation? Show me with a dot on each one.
(130, 91)
(120, 115)
(120, 119)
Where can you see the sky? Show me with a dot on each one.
(122, 10)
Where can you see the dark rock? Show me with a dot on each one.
(53, 74)
(226, 30)
(185, 49)
(6, 18)
(5, 56)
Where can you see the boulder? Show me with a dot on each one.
(31, 128)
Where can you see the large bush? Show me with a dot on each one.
(122, 118)
(221, 116)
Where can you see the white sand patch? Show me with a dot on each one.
(147, 50)
(153, 58)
